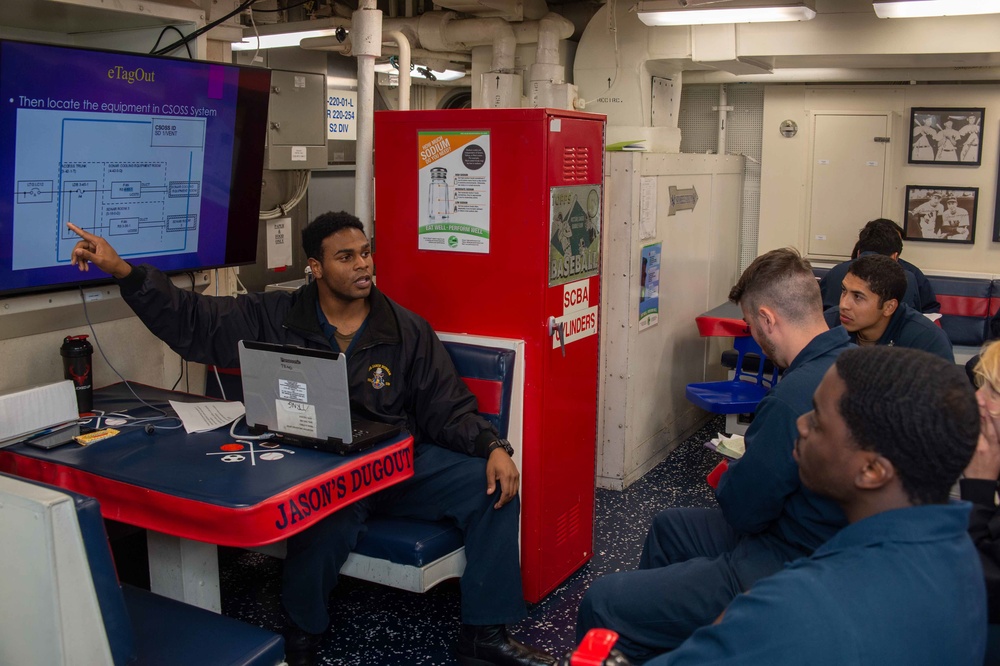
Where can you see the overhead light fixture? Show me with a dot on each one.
(278, 35)
(421, 72)
(686, 12)
(924, 8)
(279, 41)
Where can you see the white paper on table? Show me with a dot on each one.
(205, 416)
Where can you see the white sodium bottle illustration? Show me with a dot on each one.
(438, 199)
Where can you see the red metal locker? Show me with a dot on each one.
(488, 222)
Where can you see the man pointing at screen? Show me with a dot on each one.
(456, 449)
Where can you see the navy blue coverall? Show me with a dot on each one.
(696, 561)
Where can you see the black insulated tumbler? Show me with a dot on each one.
(77, 353)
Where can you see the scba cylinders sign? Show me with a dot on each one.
(579, 318)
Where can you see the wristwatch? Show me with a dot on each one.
(501, 444)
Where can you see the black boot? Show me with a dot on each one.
(489, 645)
(301, 647)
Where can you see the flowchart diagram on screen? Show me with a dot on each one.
(133, 178)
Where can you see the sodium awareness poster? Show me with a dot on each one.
(454, 191)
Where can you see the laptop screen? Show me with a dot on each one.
(296, 392)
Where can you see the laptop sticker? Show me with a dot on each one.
(292, 390)
(296, 418)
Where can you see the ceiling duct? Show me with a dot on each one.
(614, 72)
(509, 10)
(445, 35)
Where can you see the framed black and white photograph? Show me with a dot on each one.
(941, 214)
(946, 136)
(996, 214)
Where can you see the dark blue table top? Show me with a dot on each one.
(207, 479)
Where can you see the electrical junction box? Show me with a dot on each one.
(296, 121)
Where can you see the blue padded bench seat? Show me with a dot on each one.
(489, 374)
(168, 633)
(141, 628)
(965, 308)
(413, 554)
(410, 542)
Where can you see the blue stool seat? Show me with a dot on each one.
(730, 357)
(730, 397)
(748, 387)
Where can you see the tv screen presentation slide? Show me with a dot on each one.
(158, 155)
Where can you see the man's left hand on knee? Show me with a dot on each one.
(500, 468)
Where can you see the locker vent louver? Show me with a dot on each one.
(576, 163)
(567, 525)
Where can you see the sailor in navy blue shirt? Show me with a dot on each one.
(457, 449)
(761, 493)
(875, 238)
(696, 561)
(873, 314)
(928, 299)
(830, 284)
(902, 583)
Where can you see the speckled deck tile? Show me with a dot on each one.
(373, 625)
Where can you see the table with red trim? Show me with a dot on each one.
(722, 321)
(193, 492)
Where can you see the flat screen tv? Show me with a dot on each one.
(162, 156)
